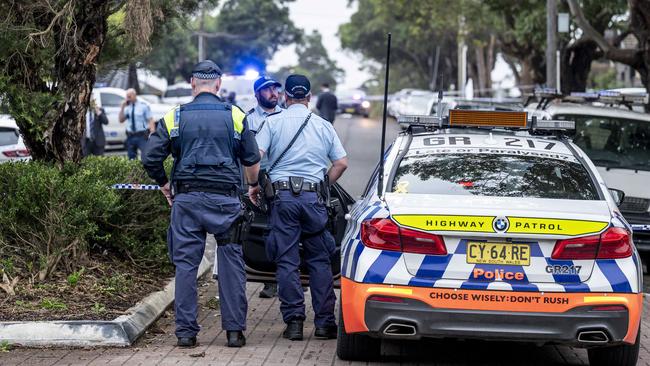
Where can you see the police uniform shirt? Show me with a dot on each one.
(141, 115)
(310, 156)
(255, 118)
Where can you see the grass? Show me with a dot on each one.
(53, 304)
(5, 346)
(74, 277)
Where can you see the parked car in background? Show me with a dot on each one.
(396, 101)
(418, 102)
(618, 142)
(111, 100)
(12, 147)
(179, 93)
(353, 101)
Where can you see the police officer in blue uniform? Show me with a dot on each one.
(298, 211)
(209, 140)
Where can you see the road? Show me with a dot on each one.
(265, 345)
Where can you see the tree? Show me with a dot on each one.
(49, 55)
(417, 31)
(639, 27)
(313, 62)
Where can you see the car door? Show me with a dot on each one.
(255, 227)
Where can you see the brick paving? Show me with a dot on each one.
(265, 346)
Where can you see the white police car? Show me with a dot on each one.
(490, 226)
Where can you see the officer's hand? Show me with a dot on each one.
(253, 194)
(166, 190)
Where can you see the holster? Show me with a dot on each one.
(325, 192)
(296, 185)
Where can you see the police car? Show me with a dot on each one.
(489, 225)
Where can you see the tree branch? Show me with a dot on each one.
(586, 27)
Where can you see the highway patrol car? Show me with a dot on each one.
(492, 226)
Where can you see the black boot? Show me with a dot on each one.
(186, 342)
(270, 290)
(328, 332)
(236, 338)
(294, 330)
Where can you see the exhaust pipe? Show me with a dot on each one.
(400, 330)
(593, 337)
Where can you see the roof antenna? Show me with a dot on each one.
(380, 183)
(440, 96)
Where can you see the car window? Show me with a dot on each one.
(111, 100)
(613, 142)
(8, 136)
(502, 175)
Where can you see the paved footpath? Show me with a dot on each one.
(267, 347)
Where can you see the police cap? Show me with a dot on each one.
(264, 82)
(297, 86)
(206, 69)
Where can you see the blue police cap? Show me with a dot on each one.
(297, 86)
(206, 69)
(263, 82)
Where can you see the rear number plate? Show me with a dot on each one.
(349, 110)
(498, 253)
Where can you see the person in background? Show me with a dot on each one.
(94, 140)
(267, 95)
(327, 103)
(139, 124)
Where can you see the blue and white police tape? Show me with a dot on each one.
(637, 227)
(137, 187)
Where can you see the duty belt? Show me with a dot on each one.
(306, 186)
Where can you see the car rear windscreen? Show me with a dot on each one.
(501, 175)
(8, 136)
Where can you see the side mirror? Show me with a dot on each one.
(617, 195)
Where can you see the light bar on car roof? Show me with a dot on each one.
(478, 118)
(420, 120)
(553, 125)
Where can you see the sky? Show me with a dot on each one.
(324, 16)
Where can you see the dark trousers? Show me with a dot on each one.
(302, 218)
(194, 215)
(91, 147)
(135, 142)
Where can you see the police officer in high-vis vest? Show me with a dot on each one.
(209, 140)
(298, 213)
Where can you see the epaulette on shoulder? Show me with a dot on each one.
(274, 113)
(250, 111)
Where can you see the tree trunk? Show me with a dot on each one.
(132, 82)
(576, 65)
(74, 76)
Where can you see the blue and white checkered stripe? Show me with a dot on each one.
(139, 187)
(369, 265)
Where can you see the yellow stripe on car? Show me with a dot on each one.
(480, 224)
(527, 225)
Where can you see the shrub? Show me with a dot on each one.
(52, 218)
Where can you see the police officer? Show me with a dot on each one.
(267, 95)
(208, 139)
(298, 212)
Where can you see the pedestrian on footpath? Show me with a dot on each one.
(94, 141)
(267, 94)
(327, 104)
(300, 147)
(209, 140)
(139, 124)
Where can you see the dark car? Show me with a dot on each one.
(354, 102)
(255, 227)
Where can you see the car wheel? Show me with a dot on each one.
(355, 347)
(366, 115)
(622, 355)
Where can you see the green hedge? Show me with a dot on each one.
(51, 218)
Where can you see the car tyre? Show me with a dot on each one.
(355, 347)
(621, 355)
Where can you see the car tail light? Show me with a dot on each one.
(609, 308)
(385, 234)
(390, 299)
(20, 153)
(614, 243)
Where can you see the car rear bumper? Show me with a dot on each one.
(490, 315)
